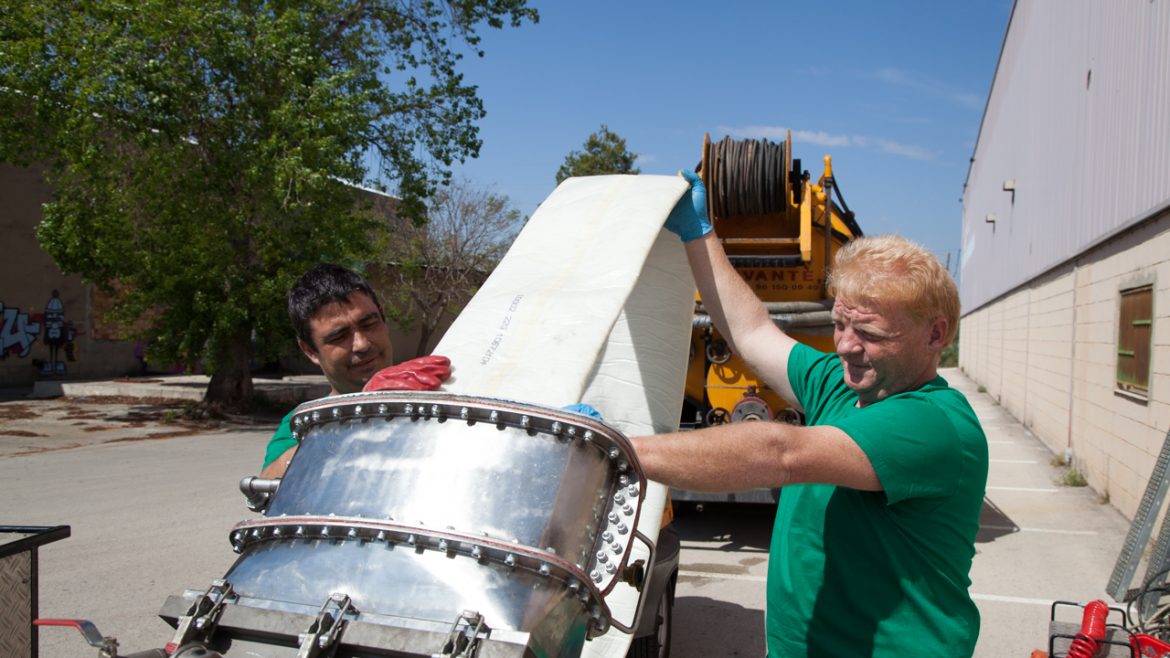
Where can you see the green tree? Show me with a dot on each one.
(605, 153)
(433, 269)
(198, 151)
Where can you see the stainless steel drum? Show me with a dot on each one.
(419, 512)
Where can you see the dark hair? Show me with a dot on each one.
(324, 284)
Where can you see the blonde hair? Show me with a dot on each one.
(889, 269)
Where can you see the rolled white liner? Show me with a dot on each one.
(592, 304)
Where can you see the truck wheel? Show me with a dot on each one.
(657, 644)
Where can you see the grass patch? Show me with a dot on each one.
(1074, 478)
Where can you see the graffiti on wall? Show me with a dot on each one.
(57, 336)
(20, 330)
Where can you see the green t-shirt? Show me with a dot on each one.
(281, 440)
(858, 573)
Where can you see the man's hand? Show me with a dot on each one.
(583, 409)
(426, 373)
(689, 220)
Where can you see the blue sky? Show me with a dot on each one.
(894, 91)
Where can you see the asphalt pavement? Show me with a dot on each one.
(151, 495)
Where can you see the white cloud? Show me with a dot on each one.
(905, 150)
(774, 133)
(931, 87)
(780, 133)
(822, 138)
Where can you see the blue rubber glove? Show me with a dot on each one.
(583, 409)
(689, 220)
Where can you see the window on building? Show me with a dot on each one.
(1133, 340)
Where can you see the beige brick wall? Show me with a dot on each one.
(1047, 353)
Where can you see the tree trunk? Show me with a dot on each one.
(424, 337)
(231, 384)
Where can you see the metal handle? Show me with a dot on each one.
(637, 576)
(107, 646)
(258, 491)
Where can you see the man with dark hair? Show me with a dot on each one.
(340, 326)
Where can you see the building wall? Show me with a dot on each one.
(35, 339)
(1047, 352)
(89, 348)
(1078, 120)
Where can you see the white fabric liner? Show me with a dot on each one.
(592, 304)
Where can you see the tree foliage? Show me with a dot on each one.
(605, 153)
(197, 151)
(433, 269)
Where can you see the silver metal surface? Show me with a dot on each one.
(261, 633)
(258, 491)
(420, 506)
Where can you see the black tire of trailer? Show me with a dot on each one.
(657, 644)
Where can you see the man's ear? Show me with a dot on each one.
(309, 351)
(938, 332)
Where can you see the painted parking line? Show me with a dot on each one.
(995, 598)
(1013, 461)
(1024, 489)
(1051, 531)
(721, 549)
(722, 576)
(989, 598)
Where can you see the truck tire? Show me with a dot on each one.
(657, 644)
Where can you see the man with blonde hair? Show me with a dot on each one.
(881, 489)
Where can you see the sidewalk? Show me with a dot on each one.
(290, 390)
(1039, 541)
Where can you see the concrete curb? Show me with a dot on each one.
(289, 390)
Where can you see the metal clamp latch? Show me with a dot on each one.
(325, 632)
(202, 616)
(466, 633)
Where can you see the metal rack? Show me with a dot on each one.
(18, 585)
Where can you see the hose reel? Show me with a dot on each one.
(745, 178)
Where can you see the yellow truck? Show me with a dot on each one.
(781, 230)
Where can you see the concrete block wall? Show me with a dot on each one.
(1048, 353)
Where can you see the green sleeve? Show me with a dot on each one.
(911, 438)
(912, 445)
(281, 441)
(816, 380)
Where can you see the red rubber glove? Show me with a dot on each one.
(426, 373)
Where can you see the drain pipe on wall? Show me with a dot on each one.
(1072, 363)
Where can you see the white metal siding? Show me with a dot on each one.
(1089, 153)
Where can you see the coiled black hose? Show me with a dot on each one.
(746, 177)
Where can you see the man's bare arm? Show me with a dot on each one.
(742, 456)
(277, 467)
(740, 315)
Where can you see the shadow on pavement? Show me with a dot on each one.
(993, 523)
(737, 525)
(704, 628)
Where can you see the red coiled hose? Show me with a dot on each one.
(1087, 642)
